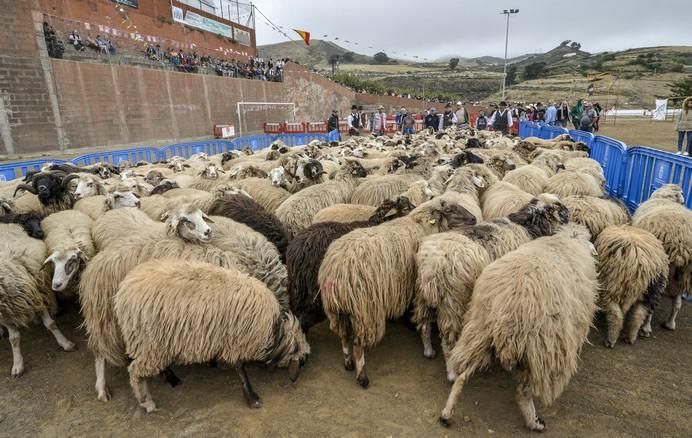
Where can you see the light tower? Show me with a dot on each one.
(506, 12)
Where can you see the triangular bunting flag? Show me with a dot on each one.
(304, 35)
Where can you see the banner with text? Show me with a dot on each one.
(242, 36)
(661, 109)
(130, 3)
(195, 20)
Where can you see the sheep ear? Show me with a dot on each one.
(478, 182)
(164, 217)
(47, 262)
(207, 219)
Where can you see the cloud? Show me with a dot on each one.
(471, 28)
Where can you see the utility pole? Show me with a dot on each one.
(506, 12)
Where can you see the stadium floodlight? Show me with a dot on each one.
(506, 12)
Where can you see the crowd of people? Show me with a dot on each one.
(254, 68)
(56, 47)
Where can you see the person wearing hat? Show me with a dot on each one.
(462, 115)
(333, 122)
(379, 126)
(447, 119)
(501, 120)
(353, 120)
(432, 120)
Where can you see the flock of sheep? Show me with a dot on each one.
(506, 248)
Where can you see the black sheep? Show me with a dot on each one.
(306, 252)
(245, 210)
(30, 221)
(51, 187)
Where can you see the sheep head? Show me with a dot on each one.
(200, 156)
(441, 214)
(212, 171)
(177, 164)
(228, 156)
(352, 169)
(65, 265)
(278, 176)
(229, 190)
(273, 155)
(154, 177)
(291, 348)
(311, 170)
(670, 192)
(190, 224)
(542, 215)
(120, 200)
(164, 186)
(50, 186)
(88, 185)
(500, 164)
(31, 222)
(6, 206)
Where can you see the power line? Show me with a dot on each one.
(278, 29)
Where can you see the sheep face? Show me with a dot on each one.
(211, 172)
(32, 226)
(278, 176)
(6, 206)
(671, 192)
(228, 156)
(441, 214)
(88, 186)
(200, 156)
(121, 199)
(65, 265)
(291, 348)
(191, 225)
(164, 186)
(177, 164)
(154, 177)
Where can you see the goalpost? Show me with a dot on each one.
(253, 115)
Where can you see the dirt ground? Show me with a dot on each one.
(642, 132)
(640, 391)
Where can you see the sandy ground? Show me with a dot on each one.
(642, 391)
(642, 132)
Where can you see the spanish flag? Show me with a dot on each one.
(304, 35)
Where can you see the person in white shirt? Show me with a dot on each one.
(501, 120)
(353, 120)
(380, 122)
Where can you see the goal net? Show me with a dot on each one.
(253, 115)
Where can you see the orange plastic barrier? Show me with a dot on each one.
(272, 128)
(315, 126)
(294, 127)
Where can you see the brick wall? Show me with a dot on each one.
(27, 121)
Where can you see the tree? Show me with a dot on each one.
(575, 45)
(683, 87)
(534, 70)
(381, 58)
(347, 57)
(453, 63)
(564, 43)
(511, 75)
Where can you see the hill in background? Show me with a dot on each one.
(319, 52)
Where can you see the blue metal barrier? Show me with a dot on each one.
(115, 157)
(612, 155)
(582, 136)
(10, 171)
(334, 136)
(547, 132)
(648, 169)
(210, 147)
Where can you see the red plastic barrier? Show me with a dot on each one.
(343, 126)
(391, 125)
(418, 125)
(472, 119)
(272, 128)
(315, 126)
(294, 127)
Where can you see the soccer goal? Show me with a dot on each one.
(253, 115)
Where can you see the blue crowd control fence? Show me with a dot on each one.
(548, 132)
(211, 147)
(115, 157)
(632, 173)
(612, 155)
(648, 169)
(10, 171)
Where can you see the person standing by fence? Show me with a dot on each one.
(576, 113)
(380, 122)
(462, 116)
(432, 120)
(333, 123)
(501, 120)
(408, 124)
(551, 114)
(562, 115)
(684, 127)
(447, 119)
(588, 118)
(354, 121)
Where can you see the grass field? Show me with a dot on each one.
(642, 132)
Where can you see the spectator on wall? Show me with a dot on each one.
(353, 120)
(447, 118)
(501, 120)
(53, 44)
(76, 41)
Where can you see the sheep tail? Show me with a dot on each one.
(652, 296)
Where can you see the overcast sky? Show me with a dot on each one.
(432, 29)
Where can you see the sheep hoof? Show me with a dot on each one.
(538, 425)
(645, 333)
(451, 376)
(105, 395)
(363, 381)
(609, 343)
(669, 325)
(254, 402)
(446, 422)
(430, 354)
(348, 365)
(17, 371)
(629, 341)
(70, 346)
(149, 406)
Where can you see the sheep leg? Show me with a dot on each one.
(361, 375)
(451, 374)
(170, 377)
(50, 324)
(348, 354)
(526, 406)
(645, 332)
(615, 320)
(637, 317)
(250, 395)
(677, 304)
(138, 382)
(17, 358)
(103, 392)
(426, 337)
(452, 399)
